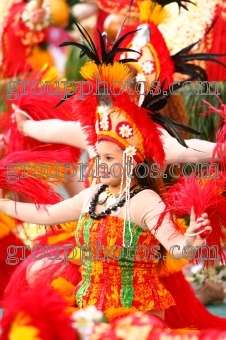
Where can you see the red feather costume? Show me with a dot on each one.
(17, 37)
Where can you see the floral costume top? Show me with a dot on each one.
(116, 277)
(129, 280)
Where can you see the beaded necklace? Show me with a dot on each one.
(108, 211)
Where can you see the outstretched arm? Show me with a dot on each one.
(53, 131)
(146, 213)
(56, 131)
(198, 151)
(85, 10)
(66, 211)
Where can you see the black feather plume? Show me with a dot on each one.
(181, 58)
(107, 57)
(156, 102)
(179, 2)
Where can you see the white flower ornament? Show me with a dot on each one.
(140, 77)
(84, 321)
(97, 127)
(138, 43)
(148, 67)
(103, 111)
(130, 151)
(104, 124)
(125, 131)
(191, 24)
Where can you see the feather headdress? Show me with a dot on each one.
(123, 6)
(154, 60)
(104, 106)
(106, 110)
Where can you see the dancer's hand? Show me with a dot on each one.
(38, 16)
(221, 151)
(20, 117)
(198, 230)
(20, 120)
(3, 142)
(2, 193)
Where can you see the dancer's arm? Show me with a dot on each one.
(33, 20)
(54, 131)
(66, 211)
(146, 212)
(84, 10)
(197, 151)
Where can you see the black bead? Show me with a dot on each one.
(100, 190)
(102, 214)
(136, 191)
(93, 204)
(93, 216)
(114, 208)
(108, 211)
(120, 204)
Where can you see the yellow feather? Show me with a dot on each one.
(89, 70)
(20, 329)
(113, 313)
(69, 230)
(65, 289)
(152, 11)
(115, 74)
(69, 227)
(109, 73)
(61, 237)
(6, 225)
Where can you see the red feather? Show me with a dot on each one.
(188, 312)
(68, 270)
(162, 52)
(39, 108)
(221, 133)
(205, 195)
(27, 97)
(35, 189)
(47, 311)
(6, 269)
